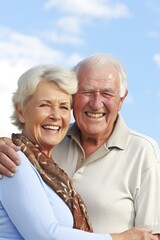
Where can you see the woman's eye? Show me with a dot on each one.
(45, 105)
(65, 107)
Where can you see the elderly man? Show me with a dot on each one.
(115, 169)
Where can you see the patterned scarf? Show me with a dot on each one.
(57, 179)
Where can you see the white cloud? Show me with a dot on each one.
(8, 75)
(6, 127)
(24, 50)
(72, 24)
(90, 8)
(62, 37)
(50, 4)
(75, 16)
(156, 59)
(65, 30)
(27, 50)
(154, 34)
(18, 53)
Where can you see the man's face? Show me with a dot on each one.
(97, 101)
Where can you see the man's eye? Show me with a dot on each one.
(87, 93)
(106, 94)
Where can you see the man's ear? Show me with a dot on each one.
(20, 113)
(122, 99)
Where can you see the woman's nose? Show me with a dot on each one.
(55, 115)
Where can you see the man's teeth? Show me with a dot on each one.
(95, 115)
(51, 127)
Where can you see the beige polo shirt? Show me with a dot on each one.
(119, 183)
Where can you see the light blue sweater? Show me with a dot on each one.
(29, 209)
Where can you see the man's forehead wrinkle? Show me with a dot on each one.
(110, 76)
(103, 77)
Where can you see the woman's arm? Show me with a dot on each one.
(28, 206)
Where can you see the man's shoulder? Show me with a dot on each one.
(143, 142)
(142, 138)
(64, 143)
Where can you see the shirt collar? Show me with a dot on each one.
(119, 135)
(117, 139)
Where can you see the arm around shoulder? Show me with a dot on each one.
(8, 157)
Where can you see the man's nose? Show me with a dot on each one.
(96, 101)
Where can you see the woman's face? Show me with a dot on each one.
(46, 116)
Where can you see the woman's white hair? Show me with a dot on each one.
(29, 80)
(99, 60)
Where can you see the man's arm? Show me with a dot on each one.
(158, 235)
(9, 159)
(149, 191)
(135, 234)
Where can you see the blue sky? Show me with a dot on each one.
(62, 32)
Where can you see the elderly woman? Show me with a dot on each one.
(39, 202)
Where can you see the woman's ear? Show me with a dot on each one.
(20, 113)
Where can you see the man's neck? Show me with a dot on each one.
(91, 144)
